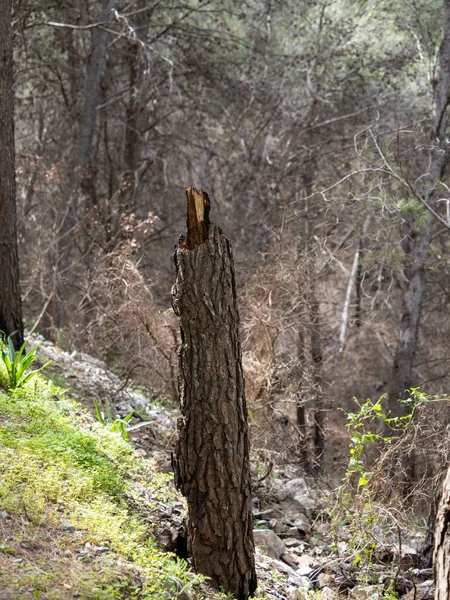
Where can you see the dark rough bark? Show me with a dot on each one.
(441, 556)
(10, 300)
(417, 244)
(212, 466)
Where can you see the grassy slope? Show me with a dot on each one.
(67, 526)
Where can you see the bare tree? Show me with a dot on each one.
(10, 299)
(80, 179)
(416, 245)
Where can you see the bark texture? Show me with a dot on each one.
(10, 299)
(212, 464)
(441, 558)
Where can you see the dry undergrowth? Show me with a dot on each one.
(123, 324)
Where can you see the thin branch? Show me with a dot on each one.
(406, 183)
(348, 297)
(70, 26)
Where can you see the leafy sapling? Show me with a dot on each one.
(16, 362)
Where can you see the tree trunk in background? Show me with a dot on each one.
(310, 402)
(441, 557)
(316, 356)
(212, 467)
(402, 376)
(137, 116)
(54, 315)
(93, 81)
(10, 299)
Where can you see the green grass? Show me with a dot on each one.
(57, 464)
(71, 485)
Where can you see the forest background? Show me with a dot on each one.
(310, 125)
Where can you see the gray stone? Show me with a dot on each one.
(405, 551)
(328, 594)
(279, 526)
(67, 525)
(325, 580)
(297, 498)
(423, 591)
(366, 592)
(304, 570)
(289, 489)
(290, 542)
(302, 524)
(282, 567)
(269, 542)
(305, 560)
(289, 560)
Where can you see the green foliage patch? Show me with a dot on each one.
(57, 464)
(17, 362)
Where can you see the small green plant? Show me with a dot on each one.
(356, 506)
(117, 424)
(390, 592)
(16, 362)
(362, 436)
(5, 549)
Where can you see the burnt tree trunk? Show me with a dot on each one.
(212, 466)
(441, 557)
(10, 299)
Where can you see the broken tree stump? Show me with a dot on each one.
(212, 464)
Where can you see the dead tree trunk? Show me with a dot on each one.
(212, 464)
(10, 300)
(441, 557)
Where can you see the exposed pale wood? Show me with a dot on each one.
(197, 217)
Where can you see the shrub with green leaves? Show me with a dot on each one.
(359, 508)
(17, 362)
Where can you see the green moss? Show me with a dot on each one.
(57, 464)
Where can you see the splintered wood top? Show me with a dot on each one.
(197, 217)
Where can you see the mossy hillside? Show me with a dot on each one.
(56, 466)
